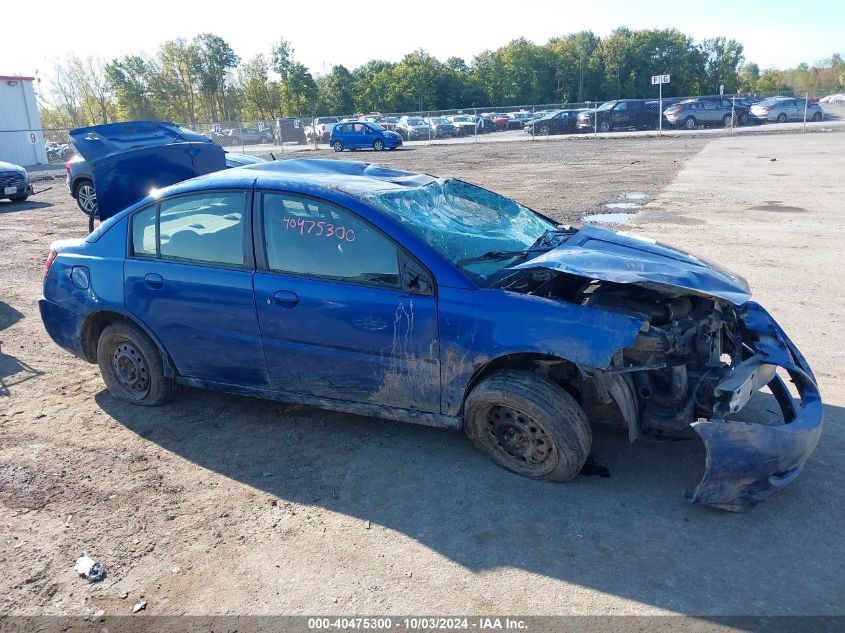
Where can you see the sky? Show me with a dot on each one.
(775, 33)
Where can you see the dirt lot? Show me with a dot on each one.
(222, 504)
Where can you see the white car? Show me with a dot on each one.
(782, 109)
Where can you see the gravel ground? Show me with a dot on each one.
(220, 504)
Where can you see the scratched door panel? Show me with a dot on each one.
(350, 342)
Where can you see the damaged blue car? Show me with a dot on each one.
(369, 290)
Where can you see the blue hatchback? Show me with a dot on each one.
(369, 290)
(362, 135)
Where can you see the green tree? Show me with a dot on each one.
(129, 79)
(215, 60)
(722, 59)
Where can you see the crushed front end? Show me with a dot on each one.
(696, 364)
(703, 350)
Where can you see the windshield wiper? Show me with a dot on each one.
(551, 238)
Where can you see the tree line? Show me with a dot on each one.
(204, 80)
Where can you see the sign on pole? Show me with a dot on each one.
(659, 80)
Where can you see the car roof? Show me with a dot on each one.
(309, 175)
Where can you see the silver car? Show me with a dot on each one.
(782, 109)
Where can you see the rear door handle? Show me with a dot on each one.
(154, 280)
(284, 298)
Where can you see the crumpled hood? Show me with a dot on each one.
(129, 159)
(623, 258)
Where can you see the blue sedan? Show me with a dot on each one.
(370, 290)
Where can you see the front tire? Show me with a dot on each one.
(604, 126)
(529, 425)
(817, 117)
(132, 367)
(727, 120)
(378, 145)
(337, 146)
(19, 198)
(545, 130)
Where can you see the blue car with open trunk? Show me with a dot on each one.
(371, 290)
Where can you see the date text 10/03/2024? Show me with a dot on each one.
(418, 623)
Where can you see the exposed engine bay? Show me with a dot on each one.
(688, 345)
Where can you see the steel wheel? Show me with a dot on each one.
(131, 370)
(86, 198)
(519, 439)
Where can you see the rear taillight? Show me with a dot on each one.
(674, 112)
(48, 263)
(769, 108)
(67, 167)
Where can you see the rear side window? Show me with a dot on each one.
(309, 237)
(204, 228)
(144, 233)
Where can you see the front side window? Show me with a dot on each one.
(304, 236)
(204, 228)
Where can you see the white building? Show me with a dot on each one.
(21, 138)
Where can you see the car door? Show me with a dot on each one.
(619, 116)
(338, 319)
(188, 278)
(368, 135)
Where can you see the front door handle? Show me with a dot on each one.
(285, 298)
(154, 280)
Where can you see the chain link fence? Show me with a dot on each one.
(726, 114)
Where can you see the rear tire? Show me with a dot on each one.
(337, 146)
(727, 120)
(817, 117)
(529, 425)
(690, 123)
(132, 367)
(781, 118)
(86, 196)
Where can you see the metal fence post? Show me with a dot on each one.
(733, 112)
(596, 119)
(806, 98)
(475, 121)
(429, 128)
(533, 127)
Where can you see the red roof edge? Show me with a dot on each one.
(15, 78)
